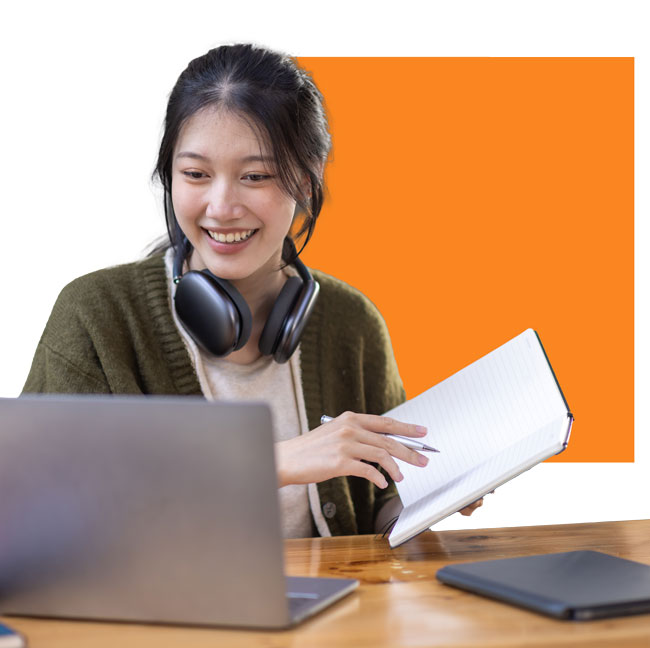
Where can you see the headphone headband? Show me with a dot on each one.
(180, 254)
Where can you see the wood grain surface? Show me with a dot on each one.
(399, 601)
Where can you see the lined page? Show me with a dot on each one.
(486, 476)
(480, 412)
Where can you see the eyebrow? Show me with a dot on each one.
(190, 154)
(246, 159)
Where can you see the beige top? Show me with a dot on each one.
(279, 385)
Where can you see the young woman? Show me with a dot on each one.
(229, 312)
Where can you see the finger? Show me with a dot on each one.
(395, 448)
(365, 470)
(385, 425)
(470, 508)
(381, 456)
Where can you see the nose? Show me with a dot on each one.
(223, 201)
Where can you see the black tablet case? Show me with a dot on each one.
(578, 585)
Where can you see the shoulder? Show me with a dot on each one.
(347, 319)
(346, 353)
(121, 282)
(114, 295)
(341, 300)
(109, 331)
(116, 298)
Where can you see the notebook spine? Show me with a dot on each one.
(553, 374)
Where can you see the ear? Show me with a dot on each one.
(305, 191)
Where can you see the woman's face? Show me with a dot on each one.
(227, 199)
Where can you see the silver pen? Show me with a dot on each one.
(405, 441)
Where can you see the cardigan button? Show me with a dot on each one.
(329, 510)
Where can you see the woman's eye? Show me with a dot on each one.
(194, 175)
(257, 177)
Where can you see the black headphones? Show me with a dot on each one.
(219, 320)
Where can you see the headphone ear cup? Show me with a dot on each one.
(213, 312)
(245, 316)
(296, 321)
(273, 329)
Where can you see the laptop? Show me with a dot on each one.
(146, 509)
(578, 585)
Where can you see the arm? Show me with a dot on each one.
(347, 365)
(53, 373)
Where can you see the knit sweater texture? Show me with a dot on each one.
(112, 332)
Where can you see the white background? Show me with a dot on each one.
(83, 97)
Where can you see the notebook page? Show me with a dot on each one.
(479, 412)
(488, 475)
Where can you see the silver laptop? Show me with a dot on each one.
(145, 509)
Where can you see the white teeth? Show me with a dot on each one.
(231, 236)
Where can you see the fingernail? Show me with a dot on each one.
(420, 430)
(399, 477)
(422, 460)
(383, 484)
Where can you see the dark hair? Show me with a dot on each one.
(278, 99)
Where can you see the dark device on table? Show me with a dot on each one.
(580, 585)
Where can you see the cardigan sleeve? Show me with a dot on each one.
(384, 390)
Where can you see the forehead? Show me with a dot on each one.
(213, 132)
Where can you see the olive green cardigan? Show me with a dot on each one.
(112, 332)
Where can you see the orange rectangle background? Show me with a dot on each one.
(472, 198)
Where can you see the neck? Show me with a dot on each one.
(261, 290)
(260, 297)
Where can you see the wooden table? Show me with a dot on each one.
(399, 602)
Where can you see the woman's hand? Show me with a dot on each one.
(342, 447)
(470, 508)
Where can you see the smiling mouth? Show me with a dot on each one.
(231, 237)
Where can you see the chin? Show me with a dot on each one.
(235, 272)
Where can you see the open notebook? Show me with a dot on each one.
(491, 421)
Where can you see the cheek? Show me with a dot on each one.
(184, 202)
(279, 211)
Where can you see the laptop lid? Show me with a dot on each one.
(140, 509)
(571, 585)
